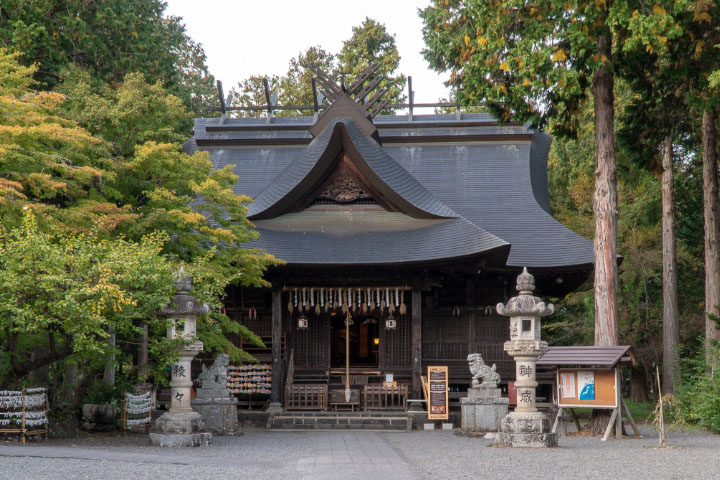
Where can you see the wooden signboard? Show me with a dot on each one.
(587, 387)
(438, 390)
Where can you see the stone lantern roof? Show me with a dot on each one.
(183, 303)
(525, 303)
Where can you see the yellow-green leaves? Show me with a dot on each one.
(75, 287)
(559, 55)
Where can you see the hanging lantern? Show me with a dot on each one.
(302, 322)
(390, 323)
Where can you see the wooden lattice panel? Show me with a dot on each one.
(311, 344)
(492, 328)
(445, 350)
(396, 344)
(445, 327)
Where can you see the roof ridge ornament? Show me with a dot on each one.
(358, 90)
(350, 101)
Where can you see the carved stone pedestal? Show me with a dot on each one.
(483, 410)
(214, 401)
(220, 414)
(180, 430)
(530, 430)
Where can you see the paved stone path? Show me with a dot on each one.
(264, 454)
(256, 455)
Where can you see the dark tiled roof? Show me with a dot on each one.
(490, 178)
(585, 356)
(314, 236)
(369, 157)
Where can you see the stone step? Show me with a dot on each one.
(339, 421)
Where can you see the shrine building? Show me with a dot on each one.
(414, 226)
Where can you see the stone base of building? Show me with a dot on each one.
(526, 430)
(220, 414)
(483, 410)
(180, 430)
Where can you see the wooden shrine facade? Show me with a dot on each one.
(446, 317)
(448, 208)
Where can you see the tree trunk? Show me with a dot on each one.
(605, 210)
(605, 204)
(638, 386)
(712, 231)
(143, 354)
(109, 374)
(671, 335)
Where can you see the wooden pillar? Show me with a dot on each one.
(618, 400)
(277, 373)
(416, 326)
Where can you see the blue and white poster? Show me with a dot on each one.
(586, 385)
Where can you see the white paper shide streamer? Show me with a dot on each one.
(138, 405)
(18, 407)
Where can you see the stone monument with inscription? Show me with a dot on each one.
(214, 401)
(181, 426)
(526, 426)
(483, 408)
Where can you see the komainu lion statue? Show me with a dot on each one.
(216, 375)
(479, 370)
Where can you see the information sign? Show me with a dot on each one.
(438, 390)
(587, 387)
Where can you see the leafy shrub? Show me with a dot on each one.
(699, 393)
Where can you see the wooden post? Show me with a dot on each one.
(276, 387)
(124, 411)
(22, 434)
(618, 402)
(416, 325)
(143, 355)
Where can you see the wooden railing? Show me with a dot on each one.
(306, 397)
(379, 397)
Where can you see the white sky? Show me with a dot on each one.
(246, 37)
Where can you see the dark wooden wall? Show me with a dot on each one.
(448, 339)
(396, 345)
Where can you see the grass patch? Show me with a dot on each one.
(640, 411)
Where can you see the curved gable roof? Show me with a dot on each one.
(384, 174)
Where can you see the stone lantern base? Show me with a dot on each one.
(180, 430)
(530, 430)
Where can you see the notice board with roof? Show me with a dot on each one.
(590, 377)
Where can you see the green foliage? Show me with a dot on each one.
(295, 87)
(109, 39)
(101, 169)
(369, 43)
(101, 393)
(699, 393)
(133, 113)
(571, 184)
(535, 61)
(73, 288)
(640, 411)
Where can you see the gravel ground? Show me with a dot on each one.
(260, 454)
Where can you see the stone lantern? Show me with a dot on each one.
(181, 426)
(525, 427)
